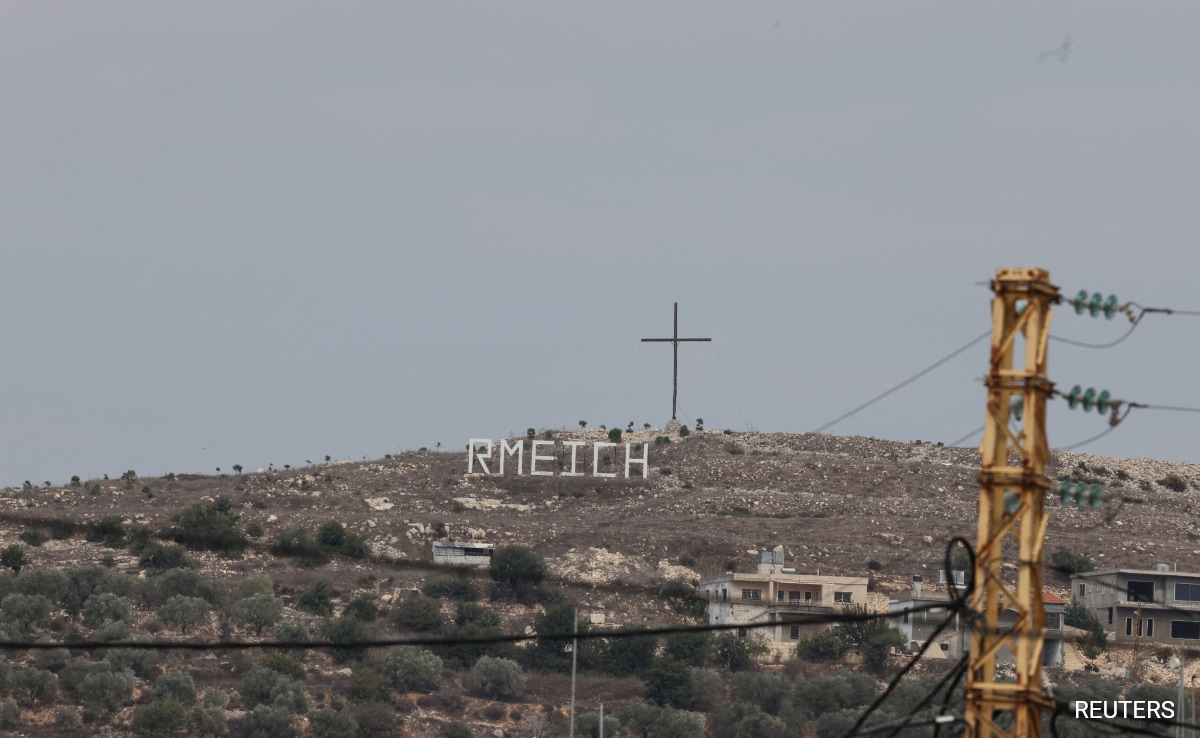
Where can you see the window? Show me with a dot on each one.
(1187, 592)
(1110, 616)
(793, 596)
(780, 597)
(724, 595)
(795, 635)
(1082, 589)
(1054, 621)
(1185, 629)
(1150, 628)
(906, 614)
(808, 596)
(841, 596)
(1128, 626)
(751, 594)
(1140, 591)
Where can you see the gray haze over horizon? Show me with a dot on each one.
(253, 234)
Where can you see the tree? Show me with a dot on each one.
(704, 690)
(693, 648)
(495, 678)
(103, 607)
(517, 566)
(318, 598)
(766, 690)
(1077, 615)
(107, 690)
(331, 723)
(25, 610)
(176, 685)
(159, 719)
(614, 435)
(629, 655)
(587, 725)
(183, 612)
(265, 686)
(413, 669)
(237, 468)
(736, 652)
(257, 611)
(13, 557)
(343, 629)
(418, 613)
(679, 724)
(582, 424)
(255, 584)
(558, 619)
(667, 682)
(209, 526)
(269, 722)
(35, 684)
(875, 638)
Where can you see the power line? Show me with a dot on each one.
(800, 619)
(906, 382)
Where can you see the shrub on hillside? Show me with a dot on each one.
(208, 526)
(1070, 563)
(318, 598)
(184, 612)
(518, 570)
(176, 685)
(24, 611)
(263, 686)
(107, 531)
(160, 557)
(331, 723)
(254, 584)
(495, 679)
(159, 719)
(362, 607)
(413, 669)
(345, 629)
(462, 589)
(257, 611)
(301, 547)
(269, 722)
(766, 690)
(103, 607)
(418, 613)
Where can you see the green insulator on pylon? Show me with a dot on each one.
(1066, 493)
(1012, 502)
(1019, 306)
(1103, 402)
(1080, 302)
(1089, 399)
(1110, 307)
(1017, 407)
(1073, 397)
(1095, 495)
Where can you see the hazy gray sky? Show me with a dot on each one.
(262, 233)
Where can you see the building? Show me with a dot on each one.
(462, 553)
(1160, 606)
(778, 595)
(953, 641)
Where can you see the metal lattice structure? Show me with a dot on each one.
(1012, 511)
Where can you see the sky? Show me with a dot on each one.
(261, 234)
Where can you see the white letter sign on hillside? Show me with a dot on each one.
(479, 450)
(506, 450)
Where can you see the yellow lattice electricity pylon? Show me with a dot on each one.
(1011, 510)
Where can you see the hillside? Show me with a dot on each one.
(840, 505)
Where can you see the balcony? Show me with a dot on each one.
(794, 606)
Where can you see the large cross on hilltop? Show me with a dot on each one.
(675, 339)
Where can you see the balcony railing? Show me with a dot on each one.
(780, 604)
